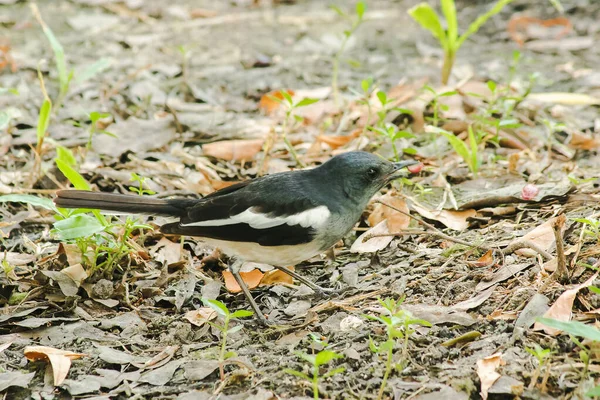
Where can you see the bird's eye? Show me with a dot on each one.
(372, 173)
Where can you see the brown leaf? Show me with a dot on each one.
(396, 221)
(486, 370)
(335, 141)
(374, 243)
(486, 260)
(276, 277)
(166, 251)
(453, 219)
(76, 273)
(562, 308)
(234, 150)
(200, 316)
(579, 141)
(202, 13)
(542, 236)
(251, 279)
(59, 359)
(268, 104)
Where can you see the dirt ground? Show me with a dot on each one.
(176, 77)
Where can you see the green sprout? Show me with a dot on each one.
(469, 153)
(355, 22)
(541, 355)
(227, 316)
(290, 117)
(316, 361)
(398, 326)
(139, 189)
(392, 133)
(449, 39)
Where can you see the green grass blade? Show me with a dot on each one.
(29, 199)
(574, 328)
(44, 120)
(449, 10)
(475, 25)
(428, 19)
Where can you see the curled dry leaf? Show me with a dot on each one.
(579, 141)
(486, 370)
(395, 221)
(275, 277)
(486, 260)
(542, 236)
(453, 219)
(336, 141)
(252, 280)
(234, 150)
(562, 308)
(59, 359)
(372, 244)
(76, 273)
(200, 316)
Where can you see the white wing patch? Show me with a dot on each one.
(312, 218)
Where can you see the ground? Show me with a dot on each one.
(175, 82)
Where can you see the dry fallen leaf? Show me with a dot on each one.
(59, 359)
(252, 280)
(275, 277)
(485, 260)
(579, 141)
(166, 251)
(562, 308)
(542, 236)
(75, 272)
(268, 104)
(453, 219)
(486, 370)
(375, 243)
(234, 150)
(200, 316)
(395, 221)
(336, 141)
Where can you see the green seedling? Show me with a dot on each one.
(392, 133)
(316, 361)
(541, 355)
(450, 41)
(469, 153)
(436, 105)
(591, 227)
(290, 118)
(65, 75)
(366, 86)
(355, 21)
(578, 329)
(398, 324)
(227, 316)
(140, 188)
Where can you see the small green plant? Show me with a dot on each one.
(541, 355)
(436, 105)
(449, 39)
(392, 133)
(469, 153)
(398, 324)
(290, 118)
(316, 361)
(227, 316)
(591, 227)
(574, 329)
(364, 98)
(355, 21)
(140, 188)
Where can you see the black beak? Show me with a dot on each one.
(399, 166)
(404, 164)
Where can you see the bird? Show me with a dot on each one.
(279, 219)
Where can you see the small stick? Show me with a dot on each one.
(526, 244)
(435, 231)
(561, 274)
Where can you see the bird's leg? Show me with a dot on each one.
(316, 288)
(235, 271)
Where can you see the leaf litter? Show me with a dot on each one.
(475, 257)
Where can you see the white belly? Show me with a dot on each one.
(281, 256)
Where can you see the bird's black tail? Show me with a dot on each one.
(122, 203)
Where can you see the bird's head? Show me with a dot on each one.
(363, 174)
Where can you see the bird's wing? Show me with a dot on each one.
(271, 212)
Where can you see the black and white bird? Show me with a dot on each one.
(280, 219)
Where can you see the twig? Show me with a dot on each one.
(561, 274)
(435, 231)
(526, 244)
